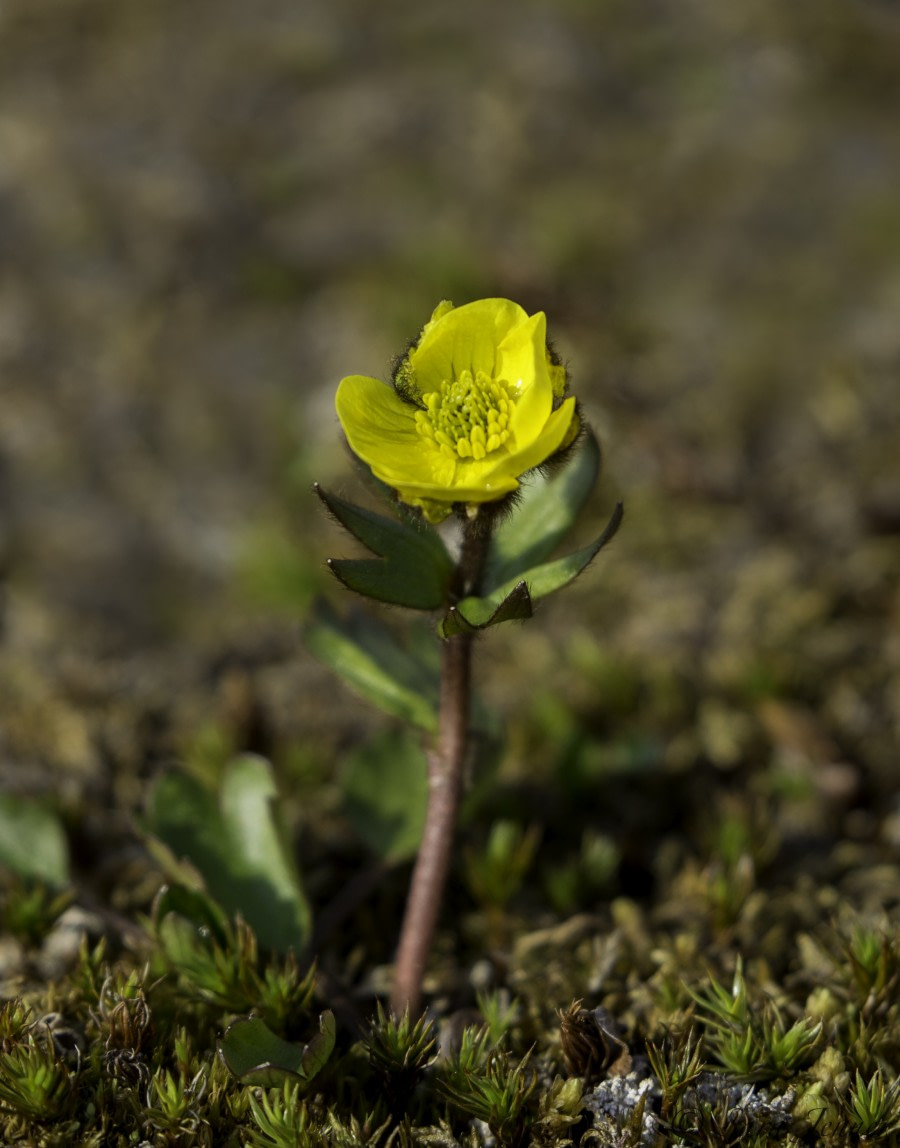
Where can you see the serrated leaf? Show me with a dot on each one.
(545, 512)
(372, 662)
(257, 1056)
(385, 787)
(32, 841)
(471, 614)
(233, 839)
(413, 567)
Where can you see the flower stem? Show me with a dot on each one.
(446, 763)
(445, 769)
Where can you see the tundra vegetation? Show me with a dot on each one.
(671, 916)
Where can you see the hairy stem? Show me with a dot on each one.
(445, 769)
(446, 764)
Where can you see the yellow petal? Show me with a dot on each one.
(466, 338)
(375, 420)
(521, 356)
(556, 432)
(523, 365)
(469, 486)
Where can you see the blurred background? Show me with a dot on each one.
(212, 211)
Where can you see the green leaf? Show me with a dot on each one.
(544, 513)
(233, 839)
(545, 579)
(257, 1056)
(199, 910)
(32, 841)
(514, 599)
(413, 567)
(371, 661)
(510, 604)
(385, 785)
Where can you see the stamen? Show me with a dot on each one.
(468, 417)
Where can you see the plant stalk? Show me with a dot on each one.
(445, 771)
(446, 764)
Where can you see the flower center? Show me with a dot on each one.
(468, 417)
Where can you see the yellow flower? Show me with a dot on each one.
(476, 403)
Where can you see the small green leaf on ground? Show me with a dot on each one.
(233, 839)
(32, 841)
(256, 1055)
